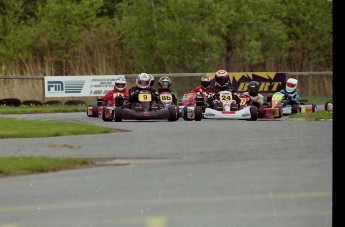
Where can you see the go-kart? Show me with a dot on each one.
(190, 101)
(146, 108)
(96, 110)
(223, 107)
(279, 100)
(264, 111)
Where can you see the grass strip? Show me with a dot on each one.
(32, 109)
(315, 116)
(10, 166)
(19, 128)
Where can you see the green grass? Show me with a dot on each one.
(18, 128)
(11, 166)
(315, 116)
(32, 109)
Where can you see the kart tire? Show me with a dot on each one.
(280, 111)
(32, 103)
(253, 113)
(10, 102)
(184, 114)
(173, 113)
(295, 108)
(118, 114)
(197, 113)
(75, 103)
(94, 112)
(107, 119)
(261, 112)
(328, 106)
(53, 102)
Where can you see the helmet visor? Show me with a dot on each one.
(143, 82)
(222, 80)
(165, 84)
(205, 84)
(290, 85)
(120, 85)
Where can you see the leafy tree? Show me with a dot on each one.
(172, 35)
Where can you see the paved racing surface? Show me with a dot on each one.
(215, 173)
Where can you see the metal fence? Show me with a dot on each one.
(311, 84)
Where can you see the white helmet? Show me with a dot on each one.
(291, 85)
(143, 80)
(120, 83)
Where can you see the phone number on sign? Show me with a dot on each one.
(98, 92)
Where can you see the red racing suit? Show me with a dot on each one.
(199, 89)
(109, 98)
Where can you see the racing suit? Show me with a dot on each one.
(199, 89)
(256, 100)
(290, 98)
(109, 98)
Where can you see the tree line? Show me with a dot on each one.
(101, 37)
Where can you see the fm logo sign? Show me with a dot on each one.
(55, 86)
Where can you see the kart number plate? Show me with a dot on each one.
(144, 97)
(277, 97)
(117, 94)
(165, 97)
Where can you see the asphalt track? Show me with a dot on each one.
(215, 173)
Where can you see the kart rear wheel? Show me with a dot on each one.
(173, 113)
(280, 111)
(118, 114)
(184, 114)
(253, 113)
(110, 118)
(197, 113)
(93, 112)
(261, 112)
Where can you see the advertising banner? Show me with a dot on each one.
(270, 82)
(78, 86)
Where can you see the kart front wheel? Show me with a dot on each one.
(118, 114)
(253, 113)
(107, 116)
(197, 113)
(173, 113)
(261, 112)
(295, 108)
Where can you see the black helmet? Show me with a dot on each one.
(253, 88)
(205, 81)
(164, 83)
